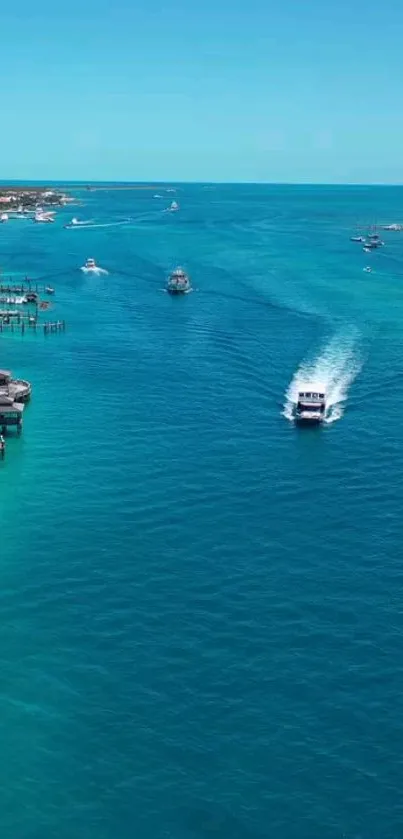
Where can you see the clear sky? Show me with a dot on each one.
(215, 90)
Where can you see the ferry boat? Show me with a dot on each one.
(310, 407)
(178, 282)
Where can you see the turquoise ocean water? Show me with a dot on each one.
(201, 606)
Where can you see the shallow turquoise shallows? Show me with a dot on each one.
(201, 605)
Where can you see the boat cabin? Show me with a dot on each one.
(311, 406)
(311, 398)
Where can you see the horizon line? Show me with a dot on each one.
(150, 183)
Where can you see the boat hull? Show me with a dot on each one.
(308, 418)
(178, 291)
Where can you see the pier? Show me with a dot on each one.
(55, 326)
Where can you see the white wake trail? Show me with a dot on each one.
(332, 371)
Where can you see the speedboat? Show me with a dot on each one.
(310, 407)
(357, 239)
(178, 282)
(367, 269)
(396, 227)
(76, 223)
(49, 290)
(91, 267)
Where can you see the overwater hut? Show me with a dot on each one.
(10, 414)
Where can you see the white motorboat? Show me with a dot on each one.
(178, 282)
(91, 267)
(174, 207)
(41, 217)
(76, 223)
(3, 217)
(310, 407)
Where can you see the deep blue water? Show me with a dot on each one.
(201, 607)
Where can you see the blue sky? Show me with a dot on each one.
(216, 90)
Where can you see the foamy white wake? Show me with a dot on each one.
(332, 371)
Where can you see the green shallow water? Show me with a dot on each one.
(201, 606)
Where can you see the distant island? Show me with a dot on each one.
(98, 187)
(29, 197)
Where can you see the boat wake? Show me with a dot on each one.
(332, 371)
(96, 270)
(88, 225)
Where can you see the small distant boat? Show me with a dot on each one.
(396, 227)
(357, 239)
(43, 218)
(178, 282)
(367, 269)
(91, 267)
(3, 217)
(372, 244)
(310, 408)
(157, 196)
(76, 223)
(174, 207)
(49, 290)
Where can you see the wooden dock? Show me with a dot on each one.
(26, 287)
(20, 324)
